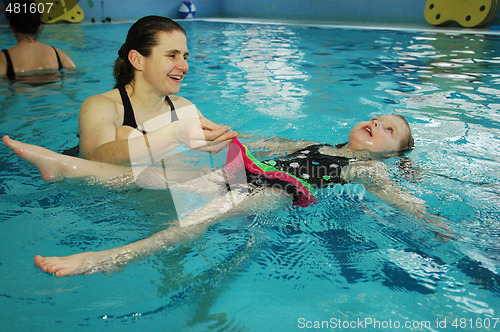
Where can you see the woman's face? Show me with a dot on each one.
(381, 134)
(166, 66)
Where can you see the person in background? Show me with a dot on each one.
(29, 60)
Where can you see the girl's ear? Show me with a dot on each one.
(136, 59)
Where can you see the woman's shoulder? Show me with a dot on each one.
(3, 64)
(99, 109)
(65, 59)
(179, 101)
(106, 97)
(103, 101)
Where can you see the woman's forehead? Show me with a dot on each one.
(171, 39)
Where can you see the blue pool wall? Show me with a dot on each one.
(341, 11)
(385, 12)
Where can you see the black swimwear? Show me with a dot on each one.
(128, 118)
(11, 75)
(309, 164)
(128, 112)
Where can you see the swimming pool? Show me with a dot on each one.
(351, 259)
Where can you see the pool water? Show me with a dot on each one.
(350, 258)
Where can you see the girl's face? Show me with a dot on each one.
(166, 66)
(381, 134)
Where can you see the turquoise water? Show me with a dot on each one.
(349, 258)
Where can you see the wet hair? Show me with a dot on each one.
(24, 22)
(407, 142)
(141, 37)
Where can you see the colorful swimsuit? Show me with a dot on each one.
(299, 174)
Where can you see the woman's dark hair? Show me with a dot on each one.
(24, 22)
(141, 37)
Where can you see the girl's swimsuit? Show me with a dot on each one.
(11, 75)
(299, 174)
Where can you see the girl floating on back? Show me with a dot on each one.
(312, 165)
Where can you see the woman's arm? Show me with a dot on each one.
(3, 64)
(98, 123)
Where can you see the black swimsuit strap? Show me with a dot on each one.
(128, 112)
(59, 63)
(11, 75)
(172, 109)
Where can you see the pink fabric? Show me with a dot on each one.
(238, 157)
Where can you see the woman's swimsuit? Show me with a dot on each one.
(299, 174)
(128, 118)
(128, 112)
(11, 74)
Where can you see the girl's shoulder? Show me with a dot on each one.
(363, 170)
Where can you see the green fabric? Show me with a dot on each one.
(268, 168)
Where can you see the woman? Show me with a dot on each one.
(352, 162)
(29, 60)
(149, 69)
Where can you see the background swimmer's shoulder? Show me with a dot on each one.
(3, 64)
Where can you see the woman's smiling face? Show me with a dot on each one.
(383, 133)
(167, 64)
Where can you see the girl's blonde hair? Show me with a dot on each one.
(407, 142)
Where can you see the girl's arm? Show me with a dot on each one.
(373, 175)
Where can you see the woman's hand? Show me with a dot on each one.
(204, 135)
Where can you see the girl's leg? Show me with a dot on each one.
(54, 166)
